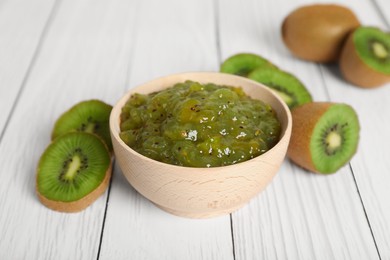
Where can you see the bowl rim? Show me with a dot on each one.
(115, 128)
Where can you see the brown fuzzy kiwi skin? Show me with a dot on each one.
(81, 204)
(302, 130)
(356, 71)
(317, 32)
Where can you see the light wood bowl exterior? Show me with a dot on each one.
(201, 192)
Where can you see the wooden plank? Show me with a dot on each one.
(300, 215)
(85, 56)
(172, 37)
(383, 9)
(21, 28)
(371, 164)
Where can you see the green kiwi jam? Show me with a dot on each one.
(199, 125)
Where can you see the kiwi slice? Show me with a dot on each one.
(73, 172)
(286, 85)
(324, 136)
(243, 63)
(89, 116)
(365, 59)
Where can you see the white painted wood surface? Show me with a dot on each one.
(78, 60)
(59, 53)
(22, 29)
(371, 165)
(326, 220)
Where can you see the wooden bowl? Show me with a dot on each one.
(201, 192)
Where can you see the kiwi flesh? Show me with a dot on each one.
(324, 136)
(365, 59)
(242, 64)
(317, 32)
(286, 85)
(73, 172)
(91, 116)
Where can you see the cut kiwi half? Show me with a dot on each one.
(91, 116)
(324, 136)
(73, 172)
(286, 85)
(365, 59)
(242, 64)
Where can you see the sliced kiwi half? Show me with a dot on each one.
(373, 47)
(73, 172)
(243, 63)
(324, 136)
(365, 58)
(286, 85)
(91, 116)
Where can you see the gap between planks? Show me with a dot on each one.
(364, 210)
(105, 210)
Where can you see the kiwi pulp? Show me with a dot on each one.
(73, 172)
(324, 136)
(242, 64)
(365, 59)
(373, 47)
(89, 116)
(287, 86)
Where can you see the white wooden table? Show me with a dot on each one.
(54, 54)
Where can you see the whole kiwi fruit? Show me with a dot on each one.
(317, 32)
(365, 58)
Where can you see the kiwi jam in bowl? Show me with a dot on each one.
(182, 156)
